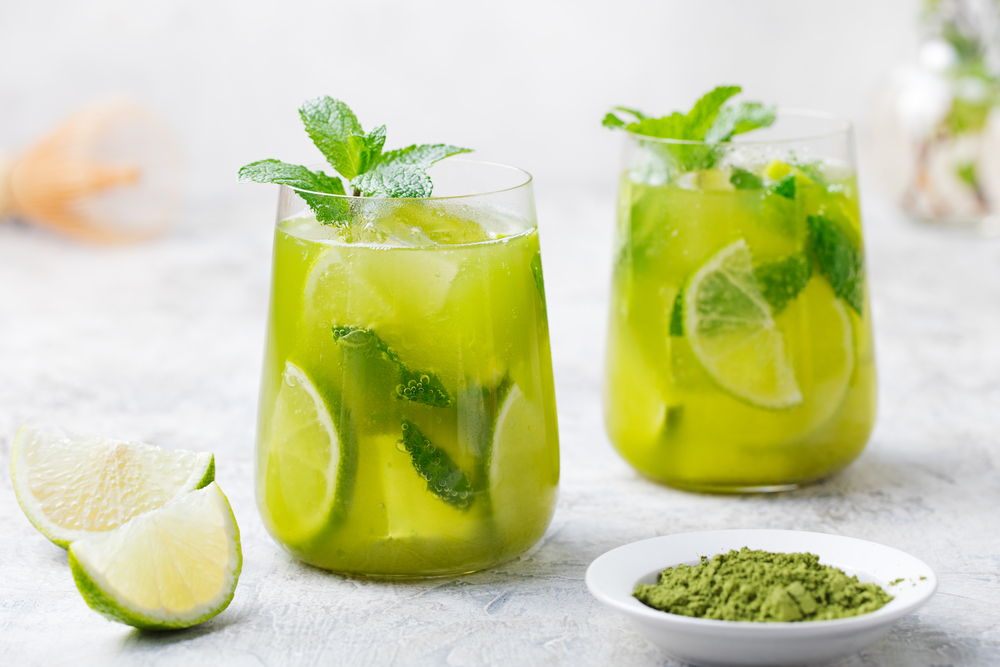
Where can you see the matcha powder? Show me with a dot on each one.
(761, 586)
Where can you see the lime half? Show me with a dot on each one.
(71, 487)
(732, 332)
(173, 567)
(305, 468)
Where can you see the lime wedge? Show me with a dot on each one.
(732, 332)
(306, 468)
(173, 567)
(71, 487)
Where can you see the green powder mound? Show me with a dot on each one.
(761, 586)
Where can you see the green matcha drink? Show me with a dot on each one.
(407, 421)
(740, 347)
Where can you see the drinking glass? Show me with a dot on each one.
(739, 353)
(407, 419)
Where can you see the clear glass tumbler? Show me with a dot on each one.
(407, 420)
(739, 350)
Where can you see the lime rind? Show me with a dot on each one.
(72, 487)
(732, 332)
(94, 583)
(209, 475)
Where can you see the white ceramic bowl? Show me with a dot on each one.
(612, 578)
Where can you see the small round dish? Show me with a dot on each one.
(612, 577)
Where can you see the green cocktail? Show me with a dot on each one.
(740, 346)
(407, 422)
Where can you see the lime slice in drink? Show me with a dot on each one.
(729, 325)
(71, 487)
(173, 567)
(305, 468)
(825, 349)
(519, 452)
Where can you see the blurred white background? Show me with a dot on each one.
(524, 81)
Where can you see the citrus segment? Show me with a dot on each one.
(521, 460)
(173, 567)
(732, 332)
(305, 468)
(70, 487)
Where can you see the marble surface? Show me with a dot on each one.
(162, 342)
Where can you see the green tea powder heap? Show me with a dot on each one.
(761, 586)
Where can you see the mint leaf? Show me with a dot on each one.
(674, 126)
(745, 180)
(693, 126)
(423, 155)
(839, 260)
(296, 176)
(416, 386)
(782, 280)
(330, 124)
(738, 119)
(786, 187)
(754, 115)
(400, 173)
(677, 315)
(703, 115)
(327, 209)
(364, 152)
(444, 478)
(612, 121)
(394, 180)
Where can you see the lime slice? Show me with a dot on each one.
(520, 451)
(635, 408)
(306, 469)
(729, 325)
(173, 567)
(71, 487)
(824, 348)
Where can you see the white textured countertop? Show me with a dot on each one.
(162, 342)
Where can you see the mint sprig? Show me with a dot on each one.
(709, 121)
(357, 156)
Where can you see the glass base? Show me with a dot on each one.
(371, 576)
(396, 576)
(736, 489)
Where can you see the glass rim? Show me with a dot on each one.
(844, 127)
(528, 178)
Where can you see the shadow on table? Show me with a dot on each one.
(882, 471)
(141, 640)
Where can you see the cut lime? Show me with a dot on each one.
(71, 487)
(173, 567)
(729, 325)
(519, 454)
(306, 471)
(827, 350)
(638, 421)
